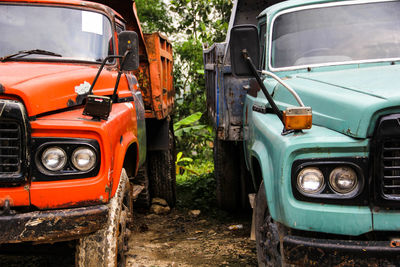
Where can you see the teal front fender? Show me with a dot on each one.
(276, 154)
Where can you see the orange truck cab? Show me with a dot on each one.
(85, 99)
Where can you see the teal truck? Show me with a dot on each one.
(305, 99)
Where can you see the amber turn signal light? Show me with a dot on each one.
(297, 118)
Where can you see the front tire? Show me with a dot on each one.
(107, 246)
(267, 234)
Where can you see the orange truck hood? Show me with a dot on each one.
(45, 87)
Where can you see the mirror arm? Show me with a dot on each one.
(264, 90)
(100, 70)
(114, 95)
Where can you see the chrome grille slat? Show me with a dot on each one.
(392, 168)
(9, 147)
(392, 187)
(391, 177)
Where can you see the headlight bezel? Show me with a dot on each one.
(69, 145)
(334, 186)
(75, 164)
(310, 192)
(63, 162)
(359, 196)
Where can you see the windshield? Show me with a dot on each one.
(72, 33)
(362, 32)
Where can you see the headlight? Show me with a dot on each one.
(83, 158)
(310, 180)
(54, 158)
(343, 180)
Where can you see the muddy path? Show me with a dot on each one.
(181, 239)
(175, 239)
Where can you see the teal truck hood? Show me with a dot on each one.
(347, 101)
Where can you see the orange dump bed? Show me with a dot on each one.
(159, 95)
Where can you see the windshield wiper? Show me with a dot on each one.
(24, 53)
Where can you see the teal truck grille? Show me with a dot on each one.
(387, 159)
(391, 168)
(10, 148)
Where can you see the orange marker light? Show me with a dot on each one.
(297, 118)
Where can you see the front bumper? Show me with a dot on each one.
(52, 225)
(306, 251)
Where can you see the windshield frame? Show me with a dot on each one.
(69, 60)
(315, 6)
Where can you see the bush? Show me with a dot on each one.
(197, 192)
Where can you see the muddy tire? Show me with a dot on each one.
(227, 174)
(267, 234)
(162, 172)
(107, 246)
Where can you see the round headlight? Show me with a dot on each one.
(343, 180)
(310, 180)
(54, 158)
(83, 158)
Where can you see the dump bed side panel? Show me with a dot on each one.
(161, 100)
(225, 93)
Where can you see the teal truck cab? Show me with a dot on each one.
(305, 97)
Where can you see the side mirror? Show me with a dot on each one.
(129, 41)
(244, 38)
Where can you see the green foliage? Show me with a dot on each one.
(153, 15)
(189, 81)
(221, 18)
(191, 23)
(194, 138)
(180, 168)
(204, 20)
(197, 192)
(193, 16)
(185, 124)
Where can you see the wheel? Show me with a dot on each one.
(107, 246)
(267, 235)
(227, 174)
(162, 172)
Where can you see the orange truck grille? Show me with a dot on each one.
(10, 148)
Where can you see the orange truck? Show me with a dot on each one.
(85, 104)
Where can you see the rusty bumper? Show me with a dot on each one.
(52, 225)
(305, 251)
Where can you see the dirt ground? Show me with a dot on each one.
(176, 239)
(181, 239)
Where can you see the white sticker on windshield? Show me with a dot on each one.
(92, 22)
